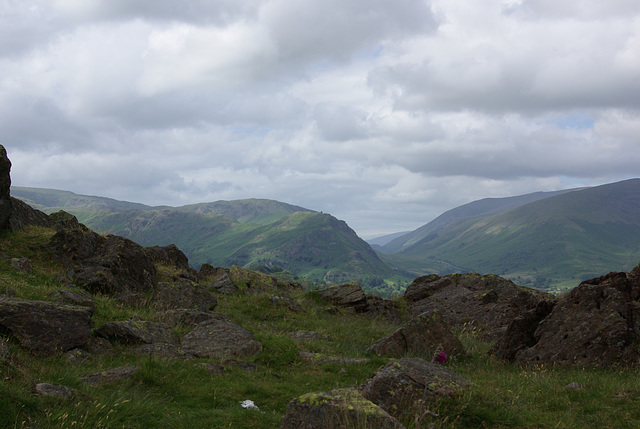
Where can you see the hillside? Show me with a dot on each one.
(473, 210)
(256, 233)
(552, 243)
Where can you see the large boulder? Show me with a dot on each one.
(99, 264)
(402, 387)
(168, 255)
(46, 328)
(422, 336)
(596, 324)
(183, 294)
(5, 187)
(486, 302)
(348, 295)
(340, 408)
(137, 332)
(220, 338)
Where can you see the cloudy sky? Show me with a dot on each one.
(382, 113)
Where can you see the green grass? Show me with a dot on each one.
(174, 393)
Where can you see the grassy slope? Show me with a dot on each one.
(252, 232)
(550, 244)
(174, 393)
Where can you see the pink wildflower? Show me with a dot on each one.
(441, 357)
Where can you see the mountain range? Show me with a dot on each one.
(268, 235)
(546, 240)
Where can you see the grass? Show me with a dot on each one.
(177, 394)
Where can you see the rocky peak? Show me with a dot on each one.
(5, 186)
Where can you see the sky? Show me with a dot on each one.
(383, 113)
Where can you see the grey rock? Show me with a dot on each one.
(401, 387)
(54, 390)
(346, 295)
(187, 317)
(111, 375)
(74, 297)
(224, 285)
(340, 408)
(162, 350)
(137, 332)
(220, 338)
(420, 336)
(5, 187)
(183, 294)
(46, 328)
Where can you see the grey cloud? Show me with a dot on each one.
(339, 123)
(197, 11)
(578, 8)
(34, 120)
(336, 29)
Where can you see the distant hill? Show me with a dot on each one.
(384, 239)
(473, 210)
(551, 243)
(255, 233)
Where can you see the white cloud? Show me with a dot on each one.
(383, 114)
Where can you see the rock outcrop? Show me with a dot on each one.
(420, 336)
(520, 334)
(109, 265)
(220, 338)
(487, 302)
(5, 188)
(596, 324)
(23, 215)
(340, 408)
(348, 295)
(402, 387)
(46, 328)
(351, 296)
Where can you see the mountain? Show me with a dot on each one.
(473, 210)
(551, 243)
(256, 233)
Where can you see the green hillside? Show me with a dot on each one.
(256, 233)
(473, 210)
(550, 244)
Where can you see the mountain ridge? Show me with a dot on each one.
(254, 233)
(551, 243)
